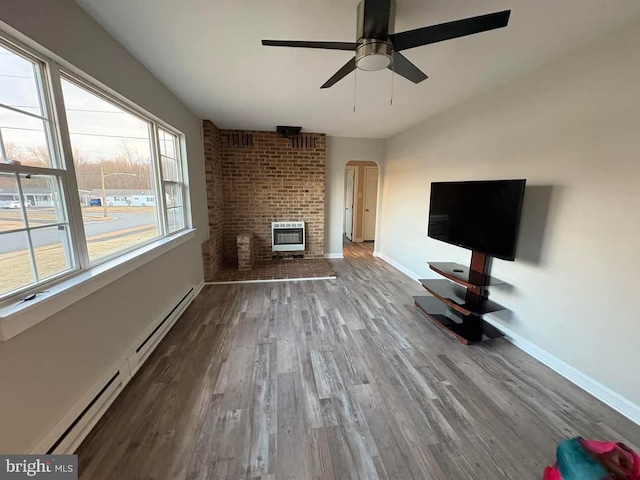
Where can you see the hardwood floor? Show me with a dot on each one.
(336, 379)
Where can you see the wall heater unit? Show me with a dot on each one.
(287, 237)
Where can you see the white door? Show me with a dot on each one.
(370, 202)
(348, 202)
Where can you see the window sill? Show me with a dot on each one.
(19, 316)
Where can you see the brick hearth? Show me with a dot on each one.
(277, 270)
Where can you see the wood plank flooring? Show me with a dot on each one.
(336, 379)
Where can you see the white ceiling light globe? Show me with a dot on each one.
(374, 55)
(373, 62)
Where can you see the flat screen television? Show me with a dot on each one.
(483, 216)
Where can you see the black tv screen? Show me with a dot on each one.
(483, 216)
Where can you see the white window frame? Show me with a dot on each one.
(155, 155)
(58, 168)
(71, 251)
(59, 140)
(180, 181)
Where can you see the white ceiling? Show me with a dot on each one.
(208, 53)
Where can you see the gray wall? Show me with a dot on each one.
(572, 129)
(340, 150)
(45, 370)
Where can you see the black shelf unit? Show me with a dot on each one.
(456, 297)
(463, 275)
(459, 301)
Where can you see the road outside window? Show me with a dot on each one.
(112, 154)
(84, 177)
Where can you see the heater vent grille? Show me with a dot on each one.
(287, 237)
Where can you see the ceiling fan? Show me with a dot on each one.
(378, 47)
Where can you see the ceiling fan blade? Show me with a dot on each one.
(349, 67)
(402, 66)
(302, 44)
(449, 30)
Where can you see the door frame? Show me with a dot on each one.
(369, 168)
(354, 171)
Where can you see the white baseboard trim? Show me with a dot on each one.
(198, 289)
(303, 279)
(154, 334)
(333, 255)
(607, 396)
(409, 273)
(68, 444)
(74, 427)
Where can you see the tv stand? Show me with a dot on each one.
(459, 302)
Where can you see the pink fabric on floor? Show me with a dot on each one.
(582, 459)
(552, 473)
(611, 453)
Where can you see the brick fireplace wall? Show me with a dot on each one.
(267, 178)
(212, 249)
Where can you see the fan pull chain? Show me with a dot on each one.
(393, 76)
(355, 83)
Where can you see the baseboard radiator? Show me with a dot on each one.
(76, 425)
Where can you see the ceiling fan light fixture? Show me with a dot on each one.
(374, 55)
(378, 46)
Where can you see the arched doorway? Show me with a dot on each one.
(361, 179)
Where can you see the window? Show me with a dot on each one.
(35, 244)
(84, 177)
(113, 157)
(24, 114)
(172, 180)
